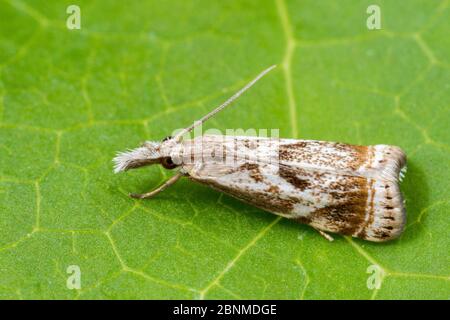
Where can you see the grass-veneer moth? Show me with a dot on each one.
(333, 187)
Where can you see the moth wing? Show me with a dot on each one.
(378, 161)
(323, 188)
(369, 177)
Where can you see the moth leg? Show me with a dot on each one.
(197, 167)
(325, 235)
(166, 184)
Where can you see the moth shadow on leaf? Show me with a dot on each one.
(416, 192)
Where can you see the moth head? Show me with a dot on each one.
(147, 154)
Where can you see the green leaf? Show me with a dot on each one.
(136, 70)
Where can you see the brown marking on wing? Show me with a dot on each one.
(250, 144)
(287, 151)
(253, 171)
(344, 218)
(359, 154)
(224, 153)
(350, 189)
(348, 213)
(382, 235)
(235, 150)
(303, 151)
(266, 201)
(362, 234)
(273, 189)
(291, 176)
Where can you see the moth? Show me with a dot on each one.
(333, 187)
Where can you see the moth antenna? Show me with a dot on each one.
(179, 135)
